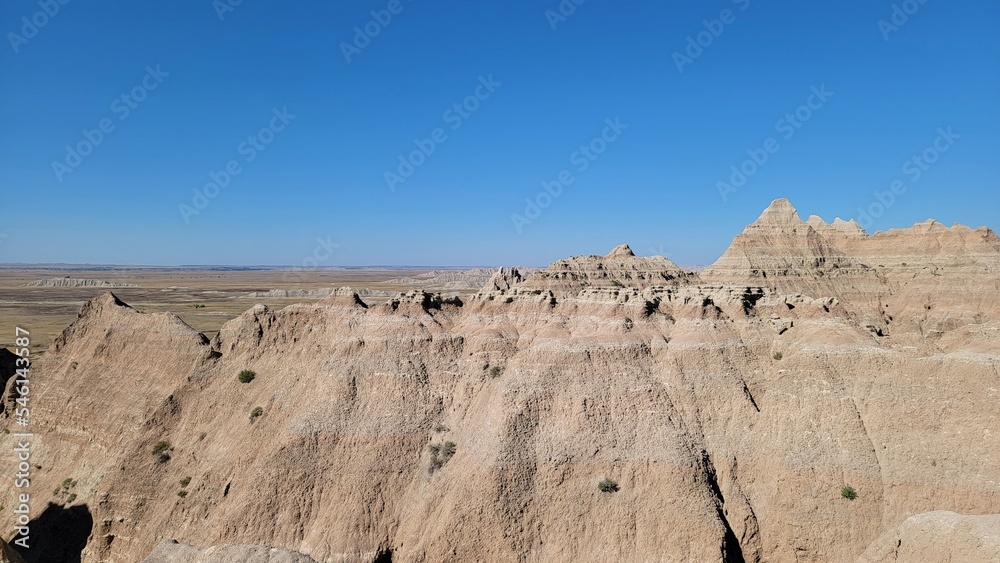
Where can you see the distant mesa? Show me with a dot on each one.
(320, 293)
(473, 278)
(77, 282)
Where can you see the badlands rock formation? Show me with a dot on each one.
(606, 408)
(447, 279)
(75, 282)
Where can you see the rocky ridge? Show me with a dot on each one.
(74, 282)
(605, 408)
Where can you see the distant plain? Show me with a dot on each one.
(204, 297)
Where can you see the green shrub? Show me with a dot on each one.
(161, 450)
(256, 412)
(607, 486)
(182, 493)
(440, 454)
(617, 283)
(71, 498)
(848, 492)
(495, 371)
(247, 375)
(777, 355)
(448, 450)
(185, 481)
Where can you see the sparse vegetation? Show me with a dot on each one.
(617, 283)
(607, 485)
(247, 375)
(496, 371)
(848, 492)
(182, 493)
(440, 454)
(64, 491)
(255, 413)
(185, 481)
(441, 428)
(161, 451)
(777, 355)
(198, 306)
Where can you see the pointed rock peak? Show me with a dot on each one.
(779, 214)
(817, 222)
(929, 226)
(839, 226)
(108, 298)
(345, 295)
(503, 279)
(848, 227)
(620, 251)
(106, 301)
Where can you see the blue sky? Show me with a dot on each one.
(270, 80)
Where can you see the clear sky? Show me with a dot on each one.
(312, 117)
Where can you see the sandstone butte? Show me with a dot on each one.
(727, 410)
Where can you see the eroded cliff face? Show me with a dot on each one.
(728, 409)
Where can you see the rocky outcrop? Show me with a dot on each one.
(72, 282)
(502, 280)
(939, 536)
(619, 268)
(316, 293)
(782, 250)
(606, 408)
(446, 279)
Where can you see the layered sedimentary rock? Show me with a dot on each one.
(618, 268)
(73, 282)
(605, 408)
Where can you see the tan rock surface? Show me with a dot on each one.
(729, 409)
(939, 536)
(172, 551)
